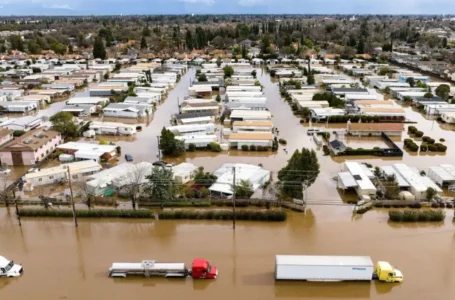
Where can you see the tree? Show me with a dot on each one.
(58, 48)
(443, 91)
(143, 43)
(146, 31)
(33, 48)
(161, 185)
(310, 77)
(169, 145)
(387, 47)
(361, 46)
(301, 171)
(430, 193)
(254, 73)
(202, 77)
(16, 42)
(219, 62)
(411, 81)
(189, 40)
(63, 123)
(244, 189)
(244, 52)
(228, 71)
(218, 98)
(444, 42)
(99, 51)
(392, 188)
(428, 95)
(132, 182)
(205, 179)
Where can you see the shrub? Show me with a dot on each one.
(92, 213)
(418, 134)
(18, 133)
(425, 138)
(433, 148)
(423, 148)
(260, 148)
(282, 141)
(214, 147)
(407, 142)
(265, 148)
(442, 140)
(245, 148)
(441, 147)
(431, 141)
(416, 216)
(244, 215)
(191, 147)
(413, 147)
(412, 129)
(252, 148)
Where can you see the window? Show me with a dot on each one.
(75, 176)
(51, 177)
(42, 155)
(40, 179)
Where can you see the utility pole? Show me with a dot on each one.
(72, 199)
(233, 198)
(178, 104)
(159, 151)
(17, 211)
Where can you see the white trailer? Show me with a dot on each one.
(9, 269)
(148, 268)
(323, 268)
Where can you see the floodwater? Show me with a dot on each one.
(63, 262)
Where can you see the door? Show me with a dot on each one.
(17, 158)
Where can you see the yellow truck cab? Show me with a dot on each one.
(385, 272)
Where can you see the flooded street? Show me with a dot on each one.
(62, 262)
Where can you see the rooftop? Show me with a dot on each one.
(254, 123)
(31, 140)
(251, 136)
(376, 127)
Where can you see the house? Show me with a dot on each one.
(375, 129)
(127, 110)
(112, 128)
(397, 113)
(18, 106)
(193, 129)
(416, 77)
(200, 91)
(248, 115)
(30, 148)
(442, 175)
(337, 146)
(239, 139)
(252, 126)
(80, 109)
(448, 117)
(88, 151)
(24, 123)
(419, 184)
(358, 177)
(194, 118)
(78, 170)
(343, 91)
(325, 113)
(200, 141)
(257, 176)
(38, 99)
(117, 177)
(184, 172)
(200, 106)
(143, 98)
(6, 135)
(108, 89)
(88, 100)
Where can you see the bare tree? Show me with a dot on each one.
(130, 184)
(4, 184)
(83, 189)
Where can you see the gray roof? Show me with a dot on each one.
(336, 144)
(348, 90)
(193, 115)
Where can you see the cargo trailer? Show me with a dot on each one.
(333, 268)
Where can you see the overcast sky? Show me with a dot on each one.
(109, 7)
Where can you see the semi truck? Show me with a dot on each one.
(334, 268)
(200, 269)
(9, 269)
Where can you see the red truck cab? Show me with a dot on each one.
(201, 269)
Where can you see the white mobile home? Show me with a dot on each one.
(127, 110)
(245, 115)
(200, 141)
(112, 128)
(189, 130)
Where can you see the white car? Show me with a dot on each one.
(9, 269)
(4, 171)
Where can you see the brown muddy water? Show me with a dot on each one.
(63, 262)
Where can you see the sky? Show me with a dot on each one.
(117, 7)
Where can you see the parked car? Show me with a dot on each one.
(4, 171)
(128, 157)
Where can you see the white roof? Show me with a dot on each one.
(120, 175)
(316, 260)
(194, 139)
(249, 114)
(184, 168)
(195, 120)
(389, 171)
(75, 168)
(418, 182)
(86, 100)
(225, 175)
(3, 261)
(192, 128)
(443, 173)
(88, 150)
(347, 179)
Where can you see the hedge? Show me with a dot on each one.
(176, 204)
(412, 129)
(413, 147)
(441, 147)
(360, 151)
(423, 148)
(425, 138)
(416, 216)
(244, 215)
(89, 213)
